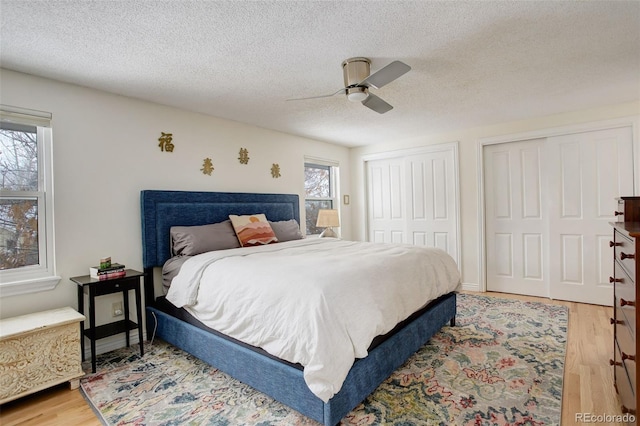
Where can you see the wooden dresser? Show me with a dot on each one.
(626, 236)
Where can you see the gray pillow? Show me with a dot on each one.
(192, 240)
(286, 230)
(170, 269)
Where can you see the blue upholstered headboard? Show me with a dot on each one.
(163, 209)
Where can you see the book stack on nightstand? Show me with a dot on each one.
(107, 270)
(116, 270)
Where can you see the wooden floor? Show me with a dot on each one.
(588, 378)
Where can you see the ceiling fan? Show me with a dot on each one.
(358, 79)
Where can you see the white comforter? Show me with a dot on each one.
(318, 302)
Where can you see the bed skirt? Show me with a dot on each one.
(285, 383)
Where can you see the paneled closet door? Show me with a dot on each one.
(387, 198)
(515, 234)
(431, 202)
(587, 171)
(413, 198)
(548, 203)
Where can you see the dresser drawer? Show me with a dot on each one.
(625, 250)
(628, 209)
(628, 320)
(627, 344)
(625, 298)
(623, 383)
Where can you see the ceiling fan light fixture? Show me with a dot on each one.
(357, 94)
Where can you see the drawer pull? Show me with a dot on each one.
(629, 357)
(627, 302)
(617, 364)
(615, 280)
(614, 321)
(624, 256)
(612, 244)
(626, 410)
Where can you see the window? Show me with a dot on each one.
(26, 202)
(320, 187)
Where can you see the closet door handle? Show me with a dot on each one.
(614, 321)
(627, 302)
(616, 213)
(612, 244)
(615, 280)
(624, 256)
(617, 364)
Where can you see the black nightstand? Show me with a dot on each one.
(95, 287)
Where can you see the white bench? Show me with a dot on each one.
(38, 351)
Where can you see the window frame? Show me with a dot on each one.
(334, 185)
(40, 277)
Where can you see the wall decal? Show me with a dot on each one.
(275, 171)
(165, 142)
(207, 167)
(244, 156)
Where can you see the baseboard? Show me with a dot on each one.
(471, 287)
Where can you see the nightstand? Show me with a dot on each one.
(94, 287)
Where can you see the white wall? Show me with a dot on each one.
(103, 141)
(469, 174)
(106, 151)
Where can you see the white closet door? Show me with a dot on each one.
(431, 201)
(413, 199)
(387, 197)
(548, 204)
(514, 218)
(588, 171)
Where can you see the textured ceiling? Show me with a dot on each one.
(473, 63)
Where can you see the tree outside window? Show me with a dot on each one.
(19, 185)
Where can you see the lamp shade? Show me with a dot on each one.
(328, 218)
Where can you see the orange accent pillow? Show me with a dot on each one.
(253, 230)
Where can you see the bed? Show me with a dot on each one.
(283, 381)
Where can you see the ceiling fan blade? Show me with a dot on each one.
(386, 74)
(377, 104)
(343, 91)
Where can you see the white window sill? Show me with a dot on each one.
(29, 286)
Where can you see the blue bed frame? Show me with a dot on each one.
(161, 210)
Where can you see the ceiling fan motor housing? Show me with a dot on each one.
(355, 70)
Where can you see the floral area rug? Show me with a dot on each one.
(502, 364)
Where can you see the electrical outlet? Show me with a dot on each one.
(116, 309)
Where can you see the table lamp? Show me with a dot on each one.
(328, 219)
